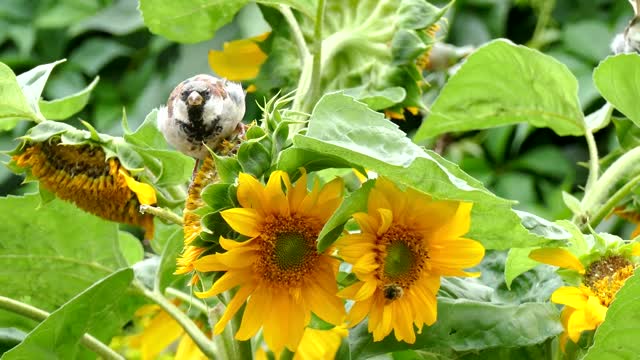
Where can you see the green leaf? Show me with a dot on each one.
(572, 203)
(172, 248)
(188, 22)
(308, 7)
(517, 263)
(13, 103)
(96, 310)
(617, 79)
(628, 133)
(254, 158)
(228, 168)
(501, 83)
(217, 196)
(343, 128)
(465, 325)
(355, 202)
(617, 337)
(60, 109)
(600, 118)
(41, 245)
(130, 247)
(32, 83)
(377, 99)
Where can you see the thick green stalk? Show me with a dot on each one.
(594, 161)
(316, 72)
(31, 312)
(627, 165)
(618, 196)
(303, 50)
(204, 344)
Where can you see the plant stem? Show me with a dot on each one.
(627, 165)
(34, 313)
(316, 72)
(163, 214)
(188, 299)
(604, 210)
(204, 344)
(594, 161)
(303, 50)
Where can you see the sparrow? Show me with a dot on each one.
(202, 110)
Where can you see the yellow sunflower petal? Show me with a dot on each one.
(239, 59)
(557, 257)
(227, 281)
(577, 324)
(459, 224)
(277, 200)
(570, 296)
(386, 217)
(449, 257)
(232, 308)
(188, 350)
(161, 331)
(595, 312)
(250, 193)
(257, 308)
(298, 192)
(146, 193)
(245, 221)
(320, 344)
(635, 250)
(359, 311)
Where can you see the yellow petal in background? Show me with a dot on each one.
(239, 59)
(557, 257)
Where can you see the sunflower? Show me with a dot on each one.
(82, 174)
(585, 306)
(278, 268)
(317, 344)
(407, 242)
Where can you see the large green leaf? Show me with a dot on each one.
(13, 103)
(188, 21)
(32, 84)
(40, 245)
(308, 7)
(343, 128)
(60, 109)
(465, 325)
(502, 83)
(617, 337)
(617, 79)
(100, 310)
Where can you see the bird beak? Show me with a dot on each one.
(194, 99)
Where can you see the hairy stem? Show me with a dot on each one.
(163, 214)
(204, 344)
(303, 50)
(316, 72)
(627, 165)
(34, 313)
(594, 161)
(618, 196)
(189, 299)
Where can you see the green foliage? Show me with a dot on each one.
(43, 244)
(188, 22)
(94, 310)
(346, 135)
(502, 83)
(616, 78)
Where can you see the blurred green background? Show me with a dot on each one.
(138, 70)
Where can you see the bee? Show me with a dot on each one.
(392, 291)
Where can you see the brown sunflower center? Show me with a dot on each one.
(403, 256)
(606, 276)
(288, 249)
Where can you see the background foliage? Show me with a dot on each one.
(136, 69)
